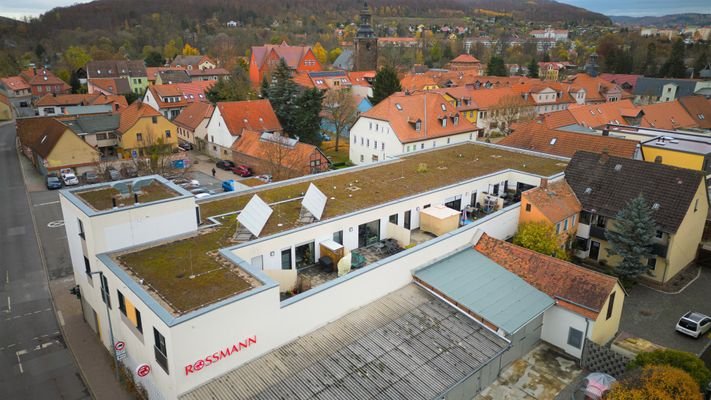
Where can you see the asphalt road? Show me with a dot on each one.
(34, 362)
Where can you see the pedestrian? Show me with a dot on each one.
(213, 172)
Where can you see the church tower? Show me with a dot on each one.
(366, 43)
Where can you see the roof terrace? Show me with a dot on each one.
(189, 273)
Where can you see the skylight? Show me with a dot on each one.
(444, 108)
(655, 206)
(398, 106)
(554, 140)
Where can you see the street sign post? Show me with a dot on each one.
(120, 348)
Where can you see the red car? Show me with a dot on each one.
(241, 170)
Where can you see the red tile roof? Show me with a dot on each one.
(699, 109)
(487, 98)
(573, 287)
(59, 100)
(597, 115)
(669, 115)
(43, 76)
(465, 58)
(595, 87)
(536, 136)
(15, 83)
(256, 115)
(558, 119)
(296, 157)
(112, 85)
(134, 112)
(402, 111)
(361, 77)
(291, 54)
(621, 79)
(556, 201)
(194, 114)
(414, 82)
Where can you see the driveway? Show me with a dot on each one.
(653, 315)
(539, 375)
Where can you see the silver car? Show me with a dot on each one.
(694, 324)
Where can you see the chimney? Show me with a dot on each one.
(544, 183)
(604, 156)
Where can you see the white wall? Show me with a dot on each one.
(217, 129)
(556, 323)
(149, 99)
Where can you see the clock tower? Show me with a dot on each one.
(366, 43)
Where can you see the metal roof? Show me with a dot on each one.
(407, 345)
(487, 289)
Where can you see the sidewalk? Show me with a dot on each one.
(93, 359)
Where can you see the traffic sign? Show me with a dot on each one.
(143, 370)
(119, 345)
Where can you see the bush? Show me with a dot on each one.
(678, 359)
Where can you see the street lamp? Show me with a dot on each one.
(108, 316)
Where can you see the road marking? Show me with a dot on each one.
(46, 204)
(9, 306)
(25, 314)
(7, 276)
(18, 354)
(56, 224)
(60, 317)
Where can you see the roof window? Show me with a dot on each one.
(655, 206)
(553, 141)
(444, 108)
(588, 190)
(398, 106)
(618, 167)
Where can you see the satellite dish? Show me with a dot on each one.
(255, 215)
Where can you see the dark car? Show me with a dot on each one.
(129, 171)
(112, 174)
(185, 146)
(241, 170)
(225, 164)
(90, 177)
(53, 182)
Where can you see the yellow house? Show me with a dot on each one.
(554, 204)
(680, 150)
(141, 127)
(677, 197)
(5, 108)
(460, 97)
(51, 145)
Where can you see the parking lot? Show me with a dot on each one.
(652, 315)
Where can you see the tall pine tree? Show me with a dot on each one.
(306, 119)
(282, 95)
(386, 83)
(496, 67)
(533, 68)
(632, 238)
(674, 67)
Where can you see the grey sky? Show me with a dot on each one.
(21, 8)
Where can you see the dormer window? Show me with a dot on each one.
(418, 125)
(456, 119)
(444, 108)
(444, 122)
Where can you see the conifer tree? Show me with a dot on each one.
(632, 238)
(533, 68)
(386, 83)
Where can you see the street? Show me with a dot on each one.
(34, 359)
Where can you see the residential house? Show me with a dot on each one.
(152, 73)
(171, 99)
(699, 108)
(406, 123)
(669, 115)
(598, 90)
(134, 71)
(99, 131)
(551, 70)
(17, 91)
(559, 35)
(196, 62)
(654, 90)
(465, 62)
(51, 104)
(588, 304)
(626, 81)
(142, 127)
(536, 136)
(597, 116)
(323, 80)
(500, 107)
(192, 123)
(408, 42)
(170, 76)
(678, 200)
(460, 97)
(362, 82)
(6, 108)
(52, 145)
(231, 118)
(277, 155)
(208, 74)
(43, 81)
(265, 58)
(109, 86)
(414, 82)
(554, 204)
(684, 150)
(549, 95)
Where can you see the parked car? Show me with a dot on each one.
(694, 324)
(190, 184)
(129, 171)
(185, 146)
(202, 193)
(225, 164)
(264, 178)
(90, 177)
(53, 182)
(70, 179)
(229, 185)
(241, 170)
(112, 174)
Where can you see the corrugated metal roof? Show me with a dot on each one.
(487, 289)
(407, 345)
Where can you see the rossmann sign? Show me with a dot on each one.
(228, 351)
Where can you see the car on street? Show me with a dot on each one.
(53, 182)
(229, 185)
(225, 164)
(112, 174)
(264, 178)
(241, 170)
(202, 192)
(90, 177)
(185, 146)
(190, 184)
(70, 179)
(694, 324)
(129, 171)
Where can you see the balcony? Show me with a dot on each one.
(583, 231)
(597, 232)
(659, 249)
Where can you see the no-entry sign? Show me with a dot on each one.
(119, 346)
(143, 370)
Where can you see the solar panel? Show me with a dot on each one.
(314, 201)
(255, 215)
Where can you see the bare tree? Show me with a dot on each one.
(340, 108)
(282, 157)
(510, 109)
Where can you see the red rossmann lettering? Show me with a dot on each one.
(219, 355)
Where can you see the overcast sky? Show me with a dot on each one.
(20, 8)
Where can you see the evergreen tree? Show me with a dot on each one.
(650, 62)
(282, 94)
(700, 62)
(264, 88)
(496, 67)
(154, 59)
(624, 64)
(674, 67)
(546, 56)
(632, 238)
(74, 82)
(386, 83)
(306, 119)
(533, 68)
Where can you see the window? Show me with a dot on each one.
(382, 146)
(105, 291)
(355, 139)
(338, 237)
(418, 125)
(575, 338)
(101, 136)
(375, 142)
(87, 268)
(139, 137)
(600, 221)
(575, 216)
(449, 140)
(528, 207)
(362, 141)
(154, 119)
(444, 122)
(362, 158)
(456, 119)
(286, 259)
(367, 142)
(422, 146)
(610, 305)
(393, 219)
(652, 263)
(659, 234)
(130, 312)
(81, 229)
(557, 228)
(161, 351)
(696, 205)
(565, 224)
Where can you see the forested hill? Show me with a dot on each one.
(116, 14)
(665, 21)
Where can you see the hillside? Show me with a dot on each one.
(664, 21)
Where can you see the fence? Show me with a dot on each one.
(603, 359)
